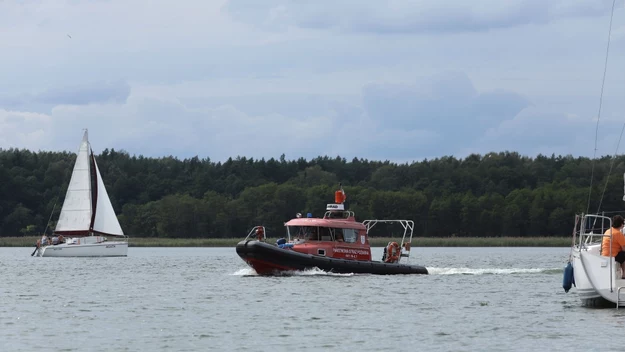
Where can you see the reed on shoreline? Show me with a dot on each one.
(30, 241)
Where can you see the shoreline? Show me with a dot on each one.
(29, 241)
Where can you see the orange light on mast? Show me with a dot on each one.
(339, 196)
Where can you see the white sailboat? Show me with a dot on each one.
(597, 277)
(87, 215)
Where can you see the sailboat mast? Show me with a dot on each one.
(94, 188)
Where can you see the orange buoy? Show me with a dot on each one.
(392, 252)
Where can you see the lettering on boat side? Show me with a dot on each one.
(110, 246)
(351, 251)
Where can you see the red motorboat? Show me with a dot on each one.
(335, 243)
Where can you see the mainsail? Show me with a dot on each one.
(76, 211)
(87, 209)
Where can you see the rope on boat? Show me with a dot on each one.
(56, 201)
(573, 238)
(611, 167)
(605, 69)
(52, 213)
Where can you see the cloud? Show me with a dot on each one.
(84, 94)
(446, 105)
(437, 115)
(287, 103)
(22, 129)
(98, 92)
(94, 24)
(536, 131)
(414, 16)
(155, 127)
(262, 78)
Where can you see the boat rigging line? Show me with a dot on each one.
(605, 69)
(56, 201)
(611, 167)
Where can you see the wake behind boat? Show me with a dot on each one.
(335, 243)
(86, 217)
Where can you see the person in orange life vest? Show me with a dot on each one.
(616, 243)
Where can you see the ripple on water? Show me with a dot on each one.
(486, 271)
(191, 299)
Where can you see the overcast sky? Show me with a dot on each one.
(398, 80)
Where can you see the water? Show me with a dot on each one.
(206, 299)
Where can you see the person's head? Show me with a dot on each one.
(617, 221)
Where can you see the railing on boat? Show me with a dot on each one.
(334, 214)
(253, 232)
(408, 226)
(592, 229)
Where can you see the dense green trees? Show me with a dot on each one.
(497, 194)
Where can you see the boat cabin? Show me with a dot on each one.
(336, 235)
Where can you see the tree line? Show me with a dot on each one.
(497, 194)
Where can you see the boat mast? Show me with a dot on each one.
(592, 168)
(94, 188)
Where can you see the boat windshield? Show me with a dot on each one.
(309, 233)
(315, 233)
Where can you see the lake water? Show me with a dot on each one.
(206, 299)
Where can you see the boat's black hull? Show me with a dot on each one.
(267, 259)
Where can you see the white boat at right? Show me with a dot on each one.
(597, 278)
(598, 244)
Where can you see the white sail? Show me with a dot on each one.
(76, 211)
(105, 219)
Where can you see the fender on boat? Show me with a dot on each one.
(569, 279)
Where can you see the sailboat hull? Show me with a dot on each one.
(597, 278)
(104, 249)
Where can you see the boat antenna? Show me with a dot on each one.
(605, 69)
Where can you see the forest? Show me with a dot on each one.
(497, 194)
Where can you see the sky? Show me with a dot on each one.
(398, 80)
